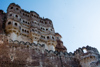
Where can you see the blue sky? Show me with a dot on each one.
(78, 21)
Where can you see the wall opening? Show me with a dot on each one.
(84, 50)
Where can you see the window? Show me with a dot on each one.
(23, 30)
(23, 13)
(15, 24)
(9, 23)
(44, 37)
(32, 29)
(10, 14)
(42, 21)
(45, 22)
(20, 19)
(32, 14)
(47, 37)
(16, 15)
(27, 31)
(52, 37)
(46, 29)
(28, 15)
(23, 21)
(35, 38)
(11, 8)
(28, 22)
(58, 38)
(43, 29)
(84, 50)
(17, 9)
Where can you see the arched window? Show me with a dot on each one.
(46, 29)
(32, 29)
(16, 15)
(20, 19)
(27, 31)
(17, 9)
(23, 21)
(11, 8)
(15, 24)
(47, 37)
(23, 30)
(35, 37)
(28, 15)
(45, 22)
(52, 37)
(44, 37)
(84, 50)
(58, 38)
(23, 13)
(42, 21)
(43, 29)
(10, 15)
(32, 14)
(9, 23)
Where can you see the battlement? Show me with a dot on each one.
(87, 49)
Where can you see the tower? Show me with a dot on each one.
(27, 26)
(59, 47)
(13, 25)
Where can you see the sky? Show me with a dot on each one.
(78, 21)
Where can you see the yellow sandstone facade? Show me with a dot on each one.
(29, 27)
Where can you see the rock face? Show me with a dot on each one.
(22, 48)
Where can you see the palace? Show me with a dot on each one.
(21, 30)
(30, 27)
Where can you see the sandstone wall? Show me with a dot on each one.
(20, 54)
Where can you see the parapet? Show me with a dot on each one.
(87, 49)
(13, 5)
(33, 13)
(57, 34)
(2, 12)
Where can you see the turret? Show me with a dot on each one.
(34, 15)
(14, 8)
(59, 47)
(13, 25)
(87, 55)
